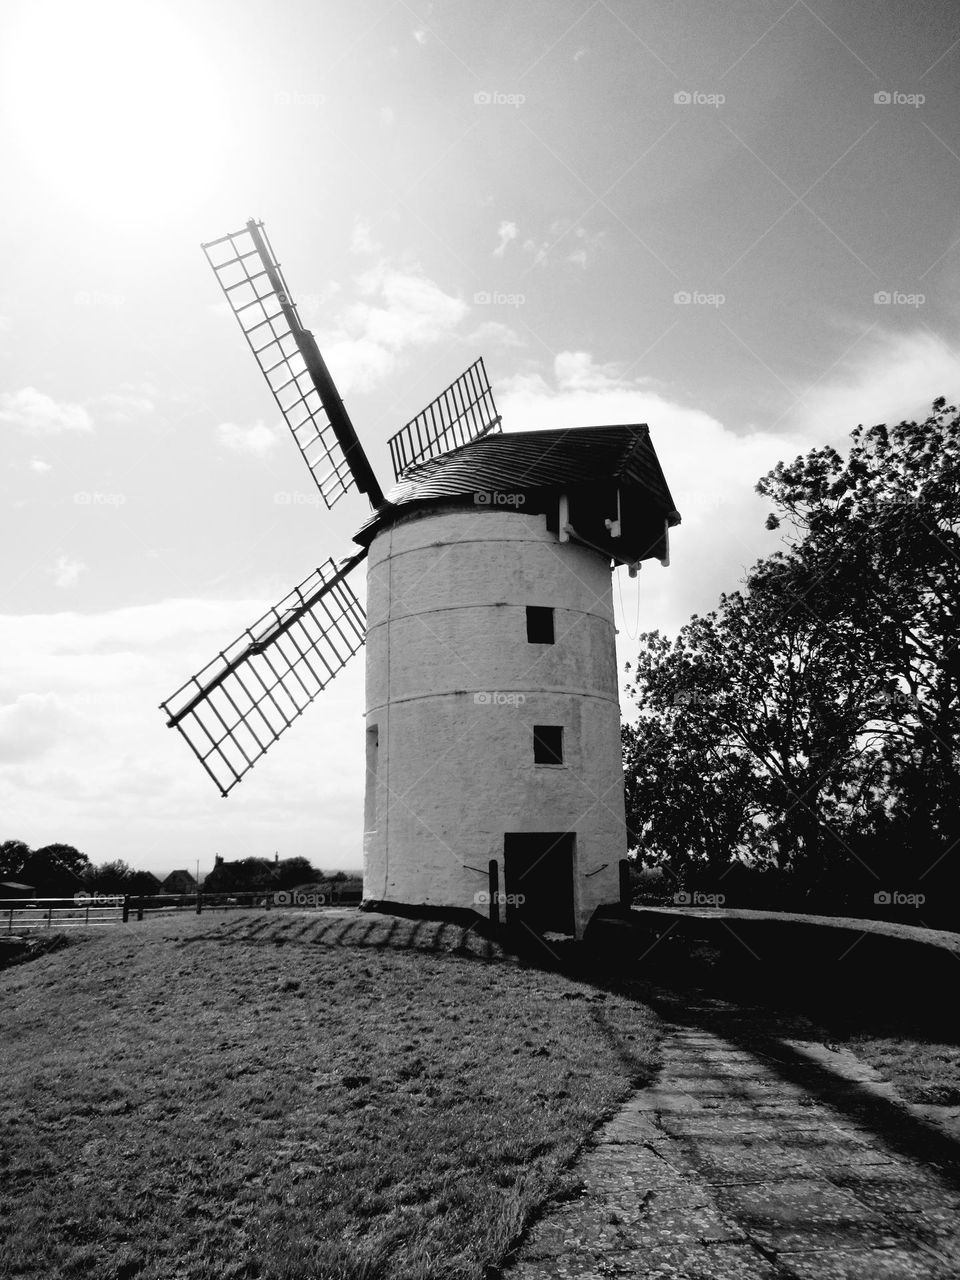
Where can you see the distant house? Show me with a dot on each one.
(249, 875)
(179, 882)
(13, 889)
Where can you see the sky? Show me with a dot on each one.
(735, 222)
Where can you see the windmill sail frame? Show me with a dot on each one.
(291, 363)
(234, 709)
(465, 411)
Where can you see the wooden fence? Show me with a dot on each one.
(92, 910)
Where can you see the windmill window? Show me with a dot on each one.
(548, 744)
(539, 624)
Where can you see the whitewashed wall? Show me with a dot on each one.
(447, 597)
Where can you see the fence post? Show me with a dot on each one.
(49, 915)
(86, 916)
(126, 908)
(494, 908)
(199, 900)
(140, 908)
(626, 892)
(10, 925)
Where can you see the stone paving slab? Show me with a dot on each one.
(757, 1158)
(865, 1264)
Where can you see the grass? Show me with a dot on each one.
(922, 1070)
(281, 1096)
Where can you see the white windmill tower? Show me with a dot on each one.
(494, 775)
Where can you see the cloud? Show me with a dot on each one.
(257, 440)
(76, 678)
(506, 232)
(562, 233)
(891, 377)
(34, 723)
(66, 572)
(711, 472)
(126, 405)
(361, 241)
(387, 116)
(400, 308)
(37, 413)
(39, 466)
(712, 469)
(494, 334)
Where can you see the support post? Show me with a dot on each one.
(494, 906)
(126, 908)
(626, 891)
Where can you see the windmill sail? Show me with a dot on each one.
(288, 356)
(237, 707)
(464, 412)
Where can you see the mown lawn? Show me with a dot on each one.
(285, 1095)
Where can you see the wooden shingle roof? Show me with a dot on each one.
(519, 461)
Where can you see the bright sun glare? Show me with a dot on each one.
(116, 107)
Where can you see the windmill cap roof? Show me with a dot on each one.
(520, 460)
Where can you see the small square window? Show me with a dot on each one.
(539, 624)
(548, 744)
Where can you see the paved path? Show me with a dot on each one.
(756, 1158)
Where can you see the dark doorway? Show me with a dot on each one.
(538, 880)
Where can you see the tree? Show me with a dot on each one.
(294, 871)
(56, 870)
(688, 808)
(13, 855)
(755, 714)
(878, 536)
(110, 877)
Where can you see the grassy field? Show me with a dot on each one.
(283, 1095)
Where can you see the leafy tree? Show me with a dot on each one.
(294, 871)
(688, 808)
(110, 877)
(877, 534)
(56, 870)
(757, 711)
(13, 855)
(813, 719)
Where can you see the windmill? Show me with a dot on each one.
(494, 774)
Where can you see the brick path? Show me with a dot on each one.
(756, 1157)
